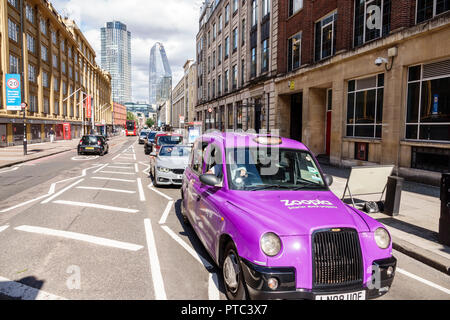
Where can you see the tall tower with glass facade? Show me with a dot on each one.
(116, 59)
(160, 79)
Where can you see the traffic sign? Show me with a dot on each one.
(13, 92)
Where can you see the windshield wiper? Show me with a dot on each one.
(289, 187)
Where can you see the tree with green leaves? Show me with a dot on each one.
(150, 122)
(131, 116)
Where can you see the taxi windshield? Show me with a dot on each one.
(175, 151)
(254, 169)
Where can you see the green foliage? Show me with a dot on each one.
(150, 122)
(131, 116)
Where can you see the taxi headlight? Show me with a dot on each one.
(270, 244)
(382, 238)
(162, 169)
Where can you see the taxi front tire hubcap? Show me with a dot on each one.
(231, 272)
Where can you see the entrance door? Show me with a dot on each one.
(296, 116)
(329, 118)
(258, 113)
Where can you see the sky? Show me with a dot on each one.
(172, 22)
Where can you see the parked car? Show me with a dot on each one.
(143, 136)
(168, 166)
(163, 139)
(262, 208)
(93, 144)
(149, 142)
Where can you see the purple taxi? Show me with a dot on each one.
(263, 209)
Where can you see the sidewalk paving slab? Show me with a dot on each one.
(415, 231)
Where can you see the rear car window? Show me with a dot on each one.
(170, 140)
(89, 140)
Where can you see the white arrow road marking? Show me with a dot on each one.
(4, 228)
(94, 205)
(81, 237)
(197, 256)
(428, 283)
(20, 291)
(113, 179)
(155, 269)
(106, 189)
(213, 287)
(166, 213)
(61, 192)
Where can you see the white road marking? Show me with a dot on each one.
(61, 192)
(213, 287)
(116, 157)
(81, 237)
(113, 179)
(150, 186)
(166, 213)
(20, 291)
(158, 282)
(10, 170)
(197, 256)
(4, 228)
(25, 203)
(136, 168)
(122, 163)
(115, 172)
(94, 205)
(106, 189)
(102, 167)
(115, 167)
(141, 190)
(428, 283)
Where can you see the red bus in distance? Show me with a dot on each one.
(131, 129)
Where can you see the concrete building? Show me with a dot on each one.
(237, 64)
(333, 93)
(160, 75)
(120, 116)
(184, 96)
(59, 72)
(148, 110)
(116, 59)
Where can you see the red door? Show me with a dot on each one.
(328, 134)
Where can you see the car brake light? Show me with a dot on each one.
(99, 143)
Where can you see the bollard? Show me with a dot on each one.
(393, 196)
(444, 221)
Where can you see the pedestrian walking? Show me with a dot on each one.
(52, 135)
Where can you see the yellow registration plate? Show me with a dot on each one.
(89, 148)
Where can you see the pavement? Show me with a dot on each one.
(12, 156)
(415, 231)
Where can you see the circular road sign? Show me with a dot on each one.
(13, 84)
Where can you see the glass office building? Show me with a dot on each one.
(160, 79)
(116, 59)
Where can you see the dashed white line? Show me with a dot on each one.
(115, 167)
(136, 168)
(113, 179)
(24, 203)
(101, 168)
(141, 190)
(115, 172)
(106, 189)
(94, 205)
(61, 192)
(197, 256)
(166, 213)
(150, 186)
(18, 290)
(81, 237)
(155, 268)
(4, 228)
(428, 283)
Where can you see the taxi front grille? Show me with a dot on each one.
(337, 259)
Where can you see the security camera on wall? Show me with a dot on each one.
(379, 61)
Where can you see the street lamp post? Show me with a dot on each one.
(25, 143)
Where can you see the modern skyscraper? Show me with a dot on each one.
(116, 59)
(160, 75)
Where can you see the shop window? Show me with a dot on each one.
(365, 107)
(431, 159)
(3, 136)
(239, 116)
(18, 133)
(428, 102)
(36, 132)
(230, 117)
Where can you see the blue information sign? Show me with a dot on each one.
(13, 93)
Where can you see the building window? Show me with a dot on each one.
(31, 44)
(294, 52)
(220, 23)
(428, 102)
(227, 47)
(64, 87)
(325, 42)
(235, 39)
(214, 60)
(14, 3)
(239, 116)
(33, 103)
(29, 13)
(13, 30)
(242, 72)
(63, 45)
(55, 61)
(427, 9)
(265, 7)
(56, 111)
(254, 13)
(235, 76)
(235, 5)
(365, 107)
(56, 85)
(219, 85)
(295, 6)
(265, 56)
(44, 53)
(54, 38)
(13, 64)
(227, 14)
(63, 66)
(214, 31)
(225, 82)
(372, 20)
(31, 73)
(214, 88)
(243, 31)
(46, 105)
(253, 64)
(43, 25)
(70, 72)
(219, 55)
(76, 76)
(45, 79)
(70, 52)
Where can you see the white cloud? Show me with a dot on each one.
(172, 22)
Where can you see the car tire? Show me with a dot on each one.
(183, 212)
(233, 276)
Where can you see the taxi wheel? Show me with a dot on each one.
(233, 275)
(183, 212)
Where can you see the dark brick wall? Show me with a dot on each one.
(403, 14)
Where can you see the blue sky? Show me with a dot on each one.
(172, 22)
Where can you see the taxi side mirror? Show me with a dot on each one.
(211, 180)
(328, 180)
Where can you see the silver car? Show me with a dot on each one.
(169, 164)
